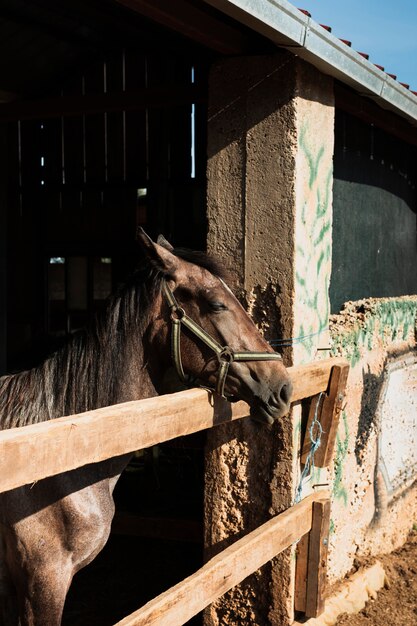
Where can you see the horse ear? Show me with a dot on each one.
(164, 243)
(157, 254)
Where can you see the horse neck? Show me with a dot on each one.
(93, 370)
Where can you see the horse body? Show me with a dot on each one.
(51, 529)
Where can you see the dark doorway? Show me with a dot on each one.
(111, 139)
(80, 185)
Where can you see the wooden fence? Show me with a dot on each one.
(49, 448)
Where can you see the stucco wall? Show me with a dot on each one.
(313, 211)
(270, 216)
(378, 336)
(270, 145)
(250, 205)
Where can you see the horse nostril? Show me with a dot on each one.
(285, 393)
(282, 396)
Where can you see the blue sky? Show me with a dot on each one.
(385, 29)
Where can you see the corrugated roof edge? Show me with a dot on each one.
(290, 28)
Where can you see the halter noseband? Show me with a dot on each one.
(225, 355)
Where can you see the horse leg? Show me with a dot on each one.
(41, 575)
(53, 530)
(8, 601)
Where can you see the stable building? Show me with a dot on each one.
(249, 130)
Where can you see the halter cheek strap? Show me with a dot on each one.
(225, 355)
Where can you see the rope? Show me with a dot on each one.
(315, 432)
(283, 343)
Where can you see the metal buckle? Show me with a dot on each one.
(226, 355)
(177, 314)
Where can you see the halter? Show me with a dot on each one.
(225, 355)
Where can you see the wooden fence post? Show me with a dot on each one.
(328, 415)
(310, 577)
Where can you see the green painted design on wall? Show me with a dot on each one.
(385, 320)
(339, 490)
(313, 160)
(312, 273)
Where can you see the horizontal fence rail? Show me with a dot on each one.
(30, 453)
(180, 603)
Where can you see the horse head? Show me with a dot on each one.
(212, 340)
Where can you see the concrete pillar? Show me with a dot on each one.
(314, 104)
(260, 200)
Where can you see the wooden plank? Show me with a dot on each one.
(180, 130)
(62, 444)
(227, 569)
(317, 558)
(58, 445)
(308, 380)
(51, 153)
(136, 122)
(328, 415)
(94, 103)
(114, 139)
(301, 569)
(195, 24)
(161, 212)
(31, 152)
(73, 138)
(200, 119)
(95, 128)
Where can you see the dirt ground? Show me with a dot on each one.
(396, 603)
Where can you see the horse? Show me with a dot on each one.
(175, 309)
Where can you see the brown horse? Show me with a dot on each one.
(52, 529)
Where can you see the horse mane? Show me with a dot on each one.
(88, 371)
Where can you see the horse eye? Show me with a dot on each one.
(217, 306)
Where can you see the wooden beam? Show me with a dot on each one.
(180, 603)
(301, 570)
(62, 444)
(328, 410)
(317, 558)
(311, 563)
(69, 106)
(192, 22)
(312, 378)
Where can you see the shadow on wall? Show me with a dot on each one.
(263, 305)
(373, 385)
(370, 422)
(372, 391)
(247, 90)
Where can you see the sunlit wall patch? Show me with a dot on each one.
(397, 410)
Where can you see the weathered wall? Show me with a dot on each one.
(250, 199)
(313, 225)
(374, 254)
(377, 438)
(270, 216)
(270, 145)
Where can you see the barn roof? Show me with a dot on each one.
(44, 41)
(288, 27)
